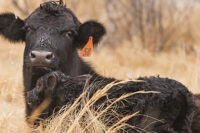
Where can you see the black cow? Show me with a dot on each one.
(173, 106)
(53, 34)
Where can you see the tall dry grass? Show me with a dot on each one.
(127, 60)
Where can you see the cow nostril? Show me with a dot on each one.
(32, 55)
(49, 56)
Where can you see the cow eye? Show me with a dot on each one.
(69, 34)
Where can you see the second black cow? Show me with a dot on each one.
(169, 111)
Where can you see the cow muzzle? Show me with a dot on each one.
(41, 58)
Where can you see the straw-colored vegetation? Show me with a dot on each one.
(123, 54)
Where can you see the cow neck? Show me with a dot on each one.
(76, 66)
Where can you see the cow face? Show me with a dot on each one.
(52, 34)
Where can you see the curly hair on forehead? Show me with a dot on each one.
(57, 7)
(53, 7)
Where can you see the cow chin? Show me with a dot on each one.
(41, 71)
(47, 69)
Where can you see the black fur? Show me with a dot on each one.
(196, 119)
(174, 104)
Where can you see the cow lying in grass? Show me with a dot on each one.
(173, 106)
(53, 34)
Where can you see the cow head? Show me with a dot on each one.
(52, 34)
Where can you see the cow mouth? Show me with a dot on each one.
(41, 71)
(48, 69)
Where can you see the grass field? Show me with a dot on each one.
(122, 62)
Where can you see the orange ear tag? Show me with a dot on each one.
(88, 48)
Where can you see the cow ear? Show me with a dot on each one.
(11, 27)
(51, 82)
(87, 29)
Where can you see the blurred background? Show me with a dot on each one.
(144, 38)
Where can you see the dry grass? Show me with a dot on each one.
(122, 62)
